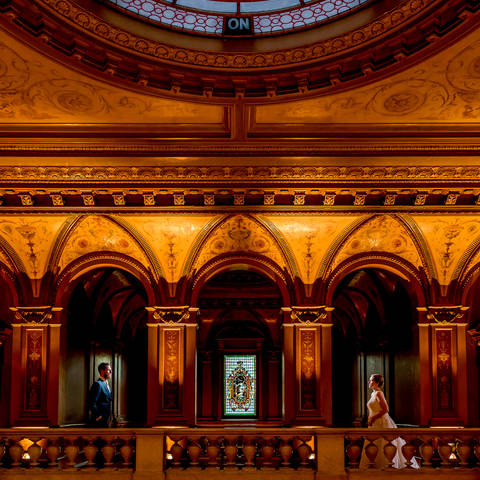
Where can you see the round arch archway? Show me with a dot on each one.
(104, 320)
(374, 331)
(240, 329)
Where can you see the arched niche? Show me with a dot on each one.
(104, 321)
(240, 316)
(468, 294)
(8, 298)
(374, 331)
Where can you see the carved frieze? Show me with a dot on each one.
(34, 315)
(309, 315)
(444, 314)
(171, 315)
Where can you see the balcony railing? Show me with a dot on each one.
(320, 451)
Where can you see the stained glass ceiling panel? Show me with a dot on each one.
(260, 16)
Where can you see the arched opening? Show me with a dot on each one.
(106, 322)
(374, 332)
(471, 298)
(239, 348)
(6, 300)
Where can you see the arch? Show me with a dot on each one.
(415, 284)
(199, 241)
(12, 283)
(128, 242)
(466, 273)
(283, 245)
(240, 233)
(73, 272)
(262, 265)
(10, 257)
(419, 241)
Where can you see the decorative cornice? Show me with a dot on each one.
(309, 315)
(171, 315)
(395, 39)
(267, 149)
(35, 315)
(444, 314)
(218, 194)
(167, 175)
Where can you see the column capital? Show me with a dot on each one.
(171, 315)
(308, 314)
(35, 315)
(444, 314)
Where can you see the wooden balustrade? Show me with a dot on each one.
(66, 449)
(430, 448)
(261, 449)
(320, 451)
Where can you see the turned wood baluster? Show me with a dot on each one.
(34, 451)
(231, 450)
(2, 451)
(354, 451)
(408, 450)
(445, 450)
(90, 451)
(108, 452)
(476, 450)
(267, 451)
(286, 451)
(427, 449)
(71, 452)
(15, 450)
(213, 451)
(53, 452)
(371, 451)
(177, 449)
(303, 449)
(126, 451)
(464, 450)
(389, 450)
(249, 451)
(194, 450)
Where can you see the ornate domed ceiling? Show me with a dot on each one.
(372, 40)
(239, 18)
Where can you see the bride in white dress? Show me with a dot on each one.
(378, 417)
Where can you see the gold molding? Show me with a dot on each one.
(171, 315)
(444, 314)
(35, 315)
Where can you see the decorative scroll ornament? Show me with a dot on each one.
(171, 315)
(444, 314)
(240, 384)
(34, 315)
(310, 314)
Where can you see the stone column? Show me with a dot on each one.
(35, 366)
(171, 365)
(308, 365)
(443, 365)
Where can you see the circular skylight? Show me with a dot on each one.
(240, 17)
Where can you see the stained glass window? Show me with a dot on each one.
(240, 385)
(263, 16)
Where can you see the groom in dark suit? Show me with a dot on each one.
(100, 398)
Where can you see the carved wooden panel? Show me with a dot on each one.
(308, 368)
(34, 348)
(171, 367)
(444, 369)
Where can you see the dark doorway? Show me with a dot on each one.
(374, 332)
(106, 322)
